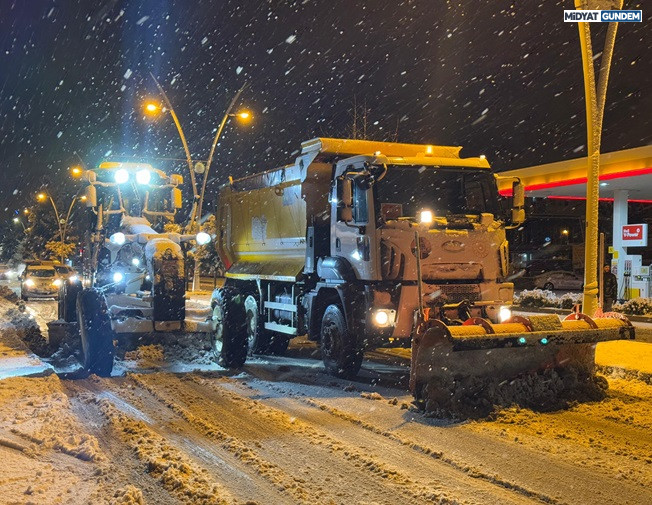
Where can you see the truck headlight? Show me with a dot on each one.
(384, 317)
(118, 238)
(504, 314)
(203, 238)
(121, 176)
(118, 277)
(143, 177)
(29, 283)
(57, 282)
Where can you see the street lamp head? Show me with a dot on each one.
(243, 115)
(41, 197)
(564, 232)
(25, 211)
(16, 220)
(152, 108)
(76, 171)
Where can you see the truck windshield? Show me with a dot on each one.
(407, 190)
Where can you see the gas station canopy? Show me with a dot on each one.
(628, 170)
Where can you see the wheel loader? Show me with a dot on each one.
(361, 245)
(133, 279)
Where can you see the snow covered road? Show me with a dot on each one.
(281, 431)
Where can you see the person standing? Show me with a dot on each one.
(610, 289)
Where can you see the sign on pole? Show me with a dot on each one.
(634, 235)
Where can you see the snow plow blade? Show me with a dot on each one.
(530, 361)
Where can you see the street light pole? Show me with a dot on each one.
(595, 102)
(65, 224)
(185, 148)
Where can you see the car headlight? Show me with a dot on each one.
(57, 282)
(118, 238)
(203, 238)
(118, 277)
(143, 177)
(73, 278)
(504, 314)
(384, 317)
(121, 176)
(29, 283)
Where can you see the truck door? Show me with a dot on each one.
(354, 239)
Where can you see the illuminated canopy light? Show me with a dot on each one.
(117, 277)
(203, 238)
(121, 176)
(426, 216)
(118, 238)
(143, 176)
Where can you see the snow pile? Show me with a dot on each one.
(136, 225)
(635, 306)
(128, 495)
(8, 294)
(545, 298)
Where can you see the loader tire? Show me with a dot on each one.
(97, 336)
(258, 338)
(229, 340)
(340, 351)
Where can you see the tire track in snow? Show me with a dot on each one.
(569, 473)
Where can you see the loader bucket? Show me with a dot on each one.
(538, 362)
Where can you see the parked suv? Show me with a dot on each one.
(39, 281)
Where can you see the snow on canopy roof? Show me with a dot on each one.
(157, 247)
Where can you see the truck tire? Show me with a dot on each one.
(229, 340)
(340, 351)
(67, 306)
(96, 333)
(258, 338)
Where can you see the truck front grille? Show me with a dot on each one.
(454, 293)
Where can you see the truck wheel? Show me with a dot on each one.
(96, 333)
(229, 340)
(257, 337)
(341, 354)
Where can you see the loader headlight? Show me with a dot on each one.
(384, 317)
(118, 277)
(135, 262)
(118, 238)
(29, 283)
(57, 282)
(203, 238)
(73, 279)
(504, 314)
(522, 340)
(121, 176)
(143, 176)
(543, 341)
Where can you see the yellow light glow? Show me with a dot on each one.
(428, 149)
(152, 108)
(40, 197)
(244, 115)
(16, 220)
(76, 171)
(564, 232)
(83, 198)
(25, 211)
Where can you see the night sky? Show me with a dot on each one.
(500, 78)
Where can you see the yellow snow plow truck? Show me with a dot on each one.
(362, 244)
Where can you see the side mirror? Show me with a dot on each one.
(91, 196)
(345, 200)
(518, 210)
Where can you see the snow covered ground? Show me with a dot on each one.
(175, 429)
